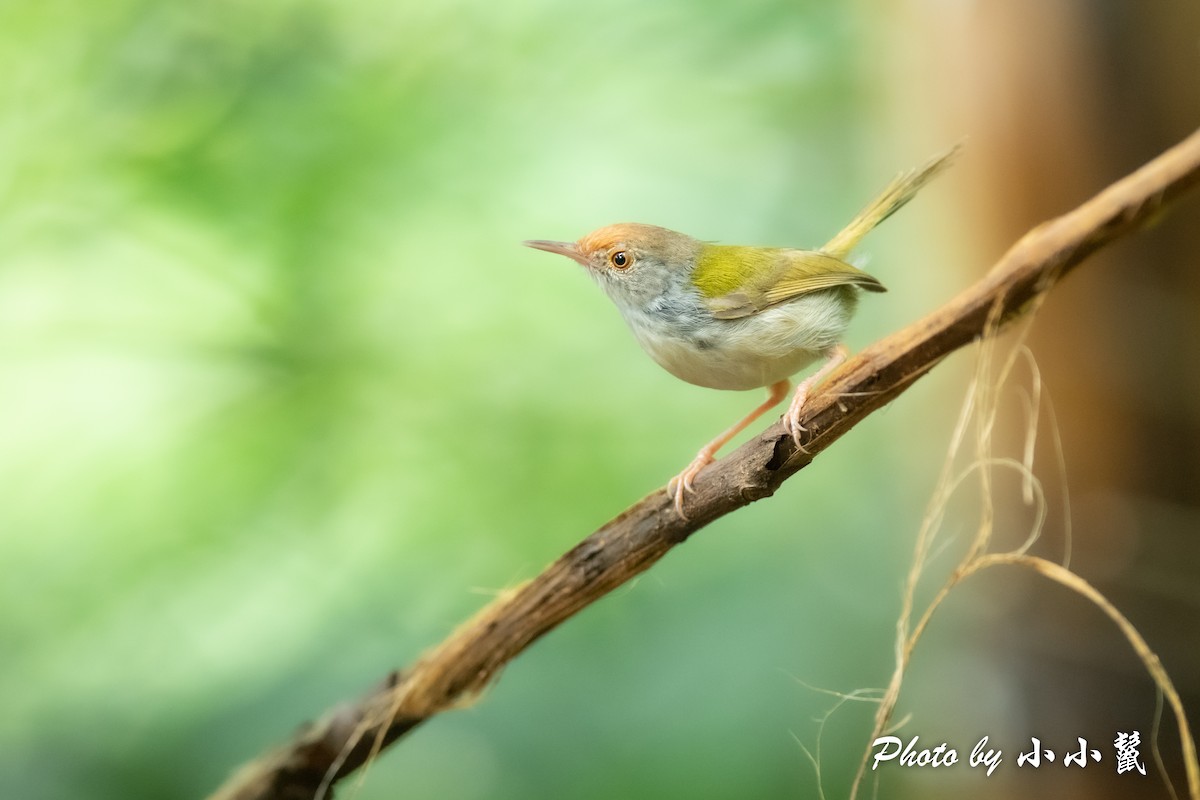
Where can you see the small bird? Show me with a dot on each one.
(737, 317)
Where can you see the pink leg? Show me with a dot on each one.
(834, 357)
(682, 482)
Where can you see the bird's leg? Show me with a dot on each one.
(682, 482)
(834, 357)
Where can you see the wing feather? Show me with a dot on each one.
(796, 273)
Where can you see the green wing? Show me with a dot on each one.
(790, 274)
(740, 281)
(743, 281)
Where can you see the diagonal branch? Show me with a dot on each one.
(466, 662)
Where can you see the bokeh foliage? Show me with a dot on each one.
(282, 400)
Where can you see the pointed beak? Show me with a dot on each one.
(568, 249)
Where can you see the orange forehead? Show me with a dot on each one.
(625, 234)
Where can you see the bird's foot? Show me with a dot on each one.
(681, 484)
(791, 418)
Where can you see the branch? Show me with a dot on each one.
(465, 663)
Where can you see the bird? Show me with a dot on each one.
(738, 317)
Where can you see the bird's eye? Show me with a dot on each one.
(620, 259)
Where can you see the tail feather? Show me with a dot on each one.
(902, 189)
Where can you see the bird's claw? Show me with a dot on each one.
(681, 484)
(791, 419)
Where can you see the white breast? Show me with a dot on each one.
(749, 352)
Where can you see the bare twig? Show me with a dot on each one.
(467, 661)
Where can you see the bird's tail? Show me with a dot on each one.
(890, 200)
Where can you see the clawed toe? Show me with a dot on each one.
(797, 432)
(681, 484)
(791, 420)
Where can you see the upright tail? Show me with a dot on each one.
(890, 200)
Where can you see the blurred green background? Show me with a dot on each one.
(282, 399)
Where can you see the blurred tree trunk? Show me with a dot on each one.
(1057, 99)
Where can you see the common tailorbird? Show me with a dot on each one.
(733, 316)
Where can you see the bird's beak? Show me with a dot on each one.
(568, 249)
